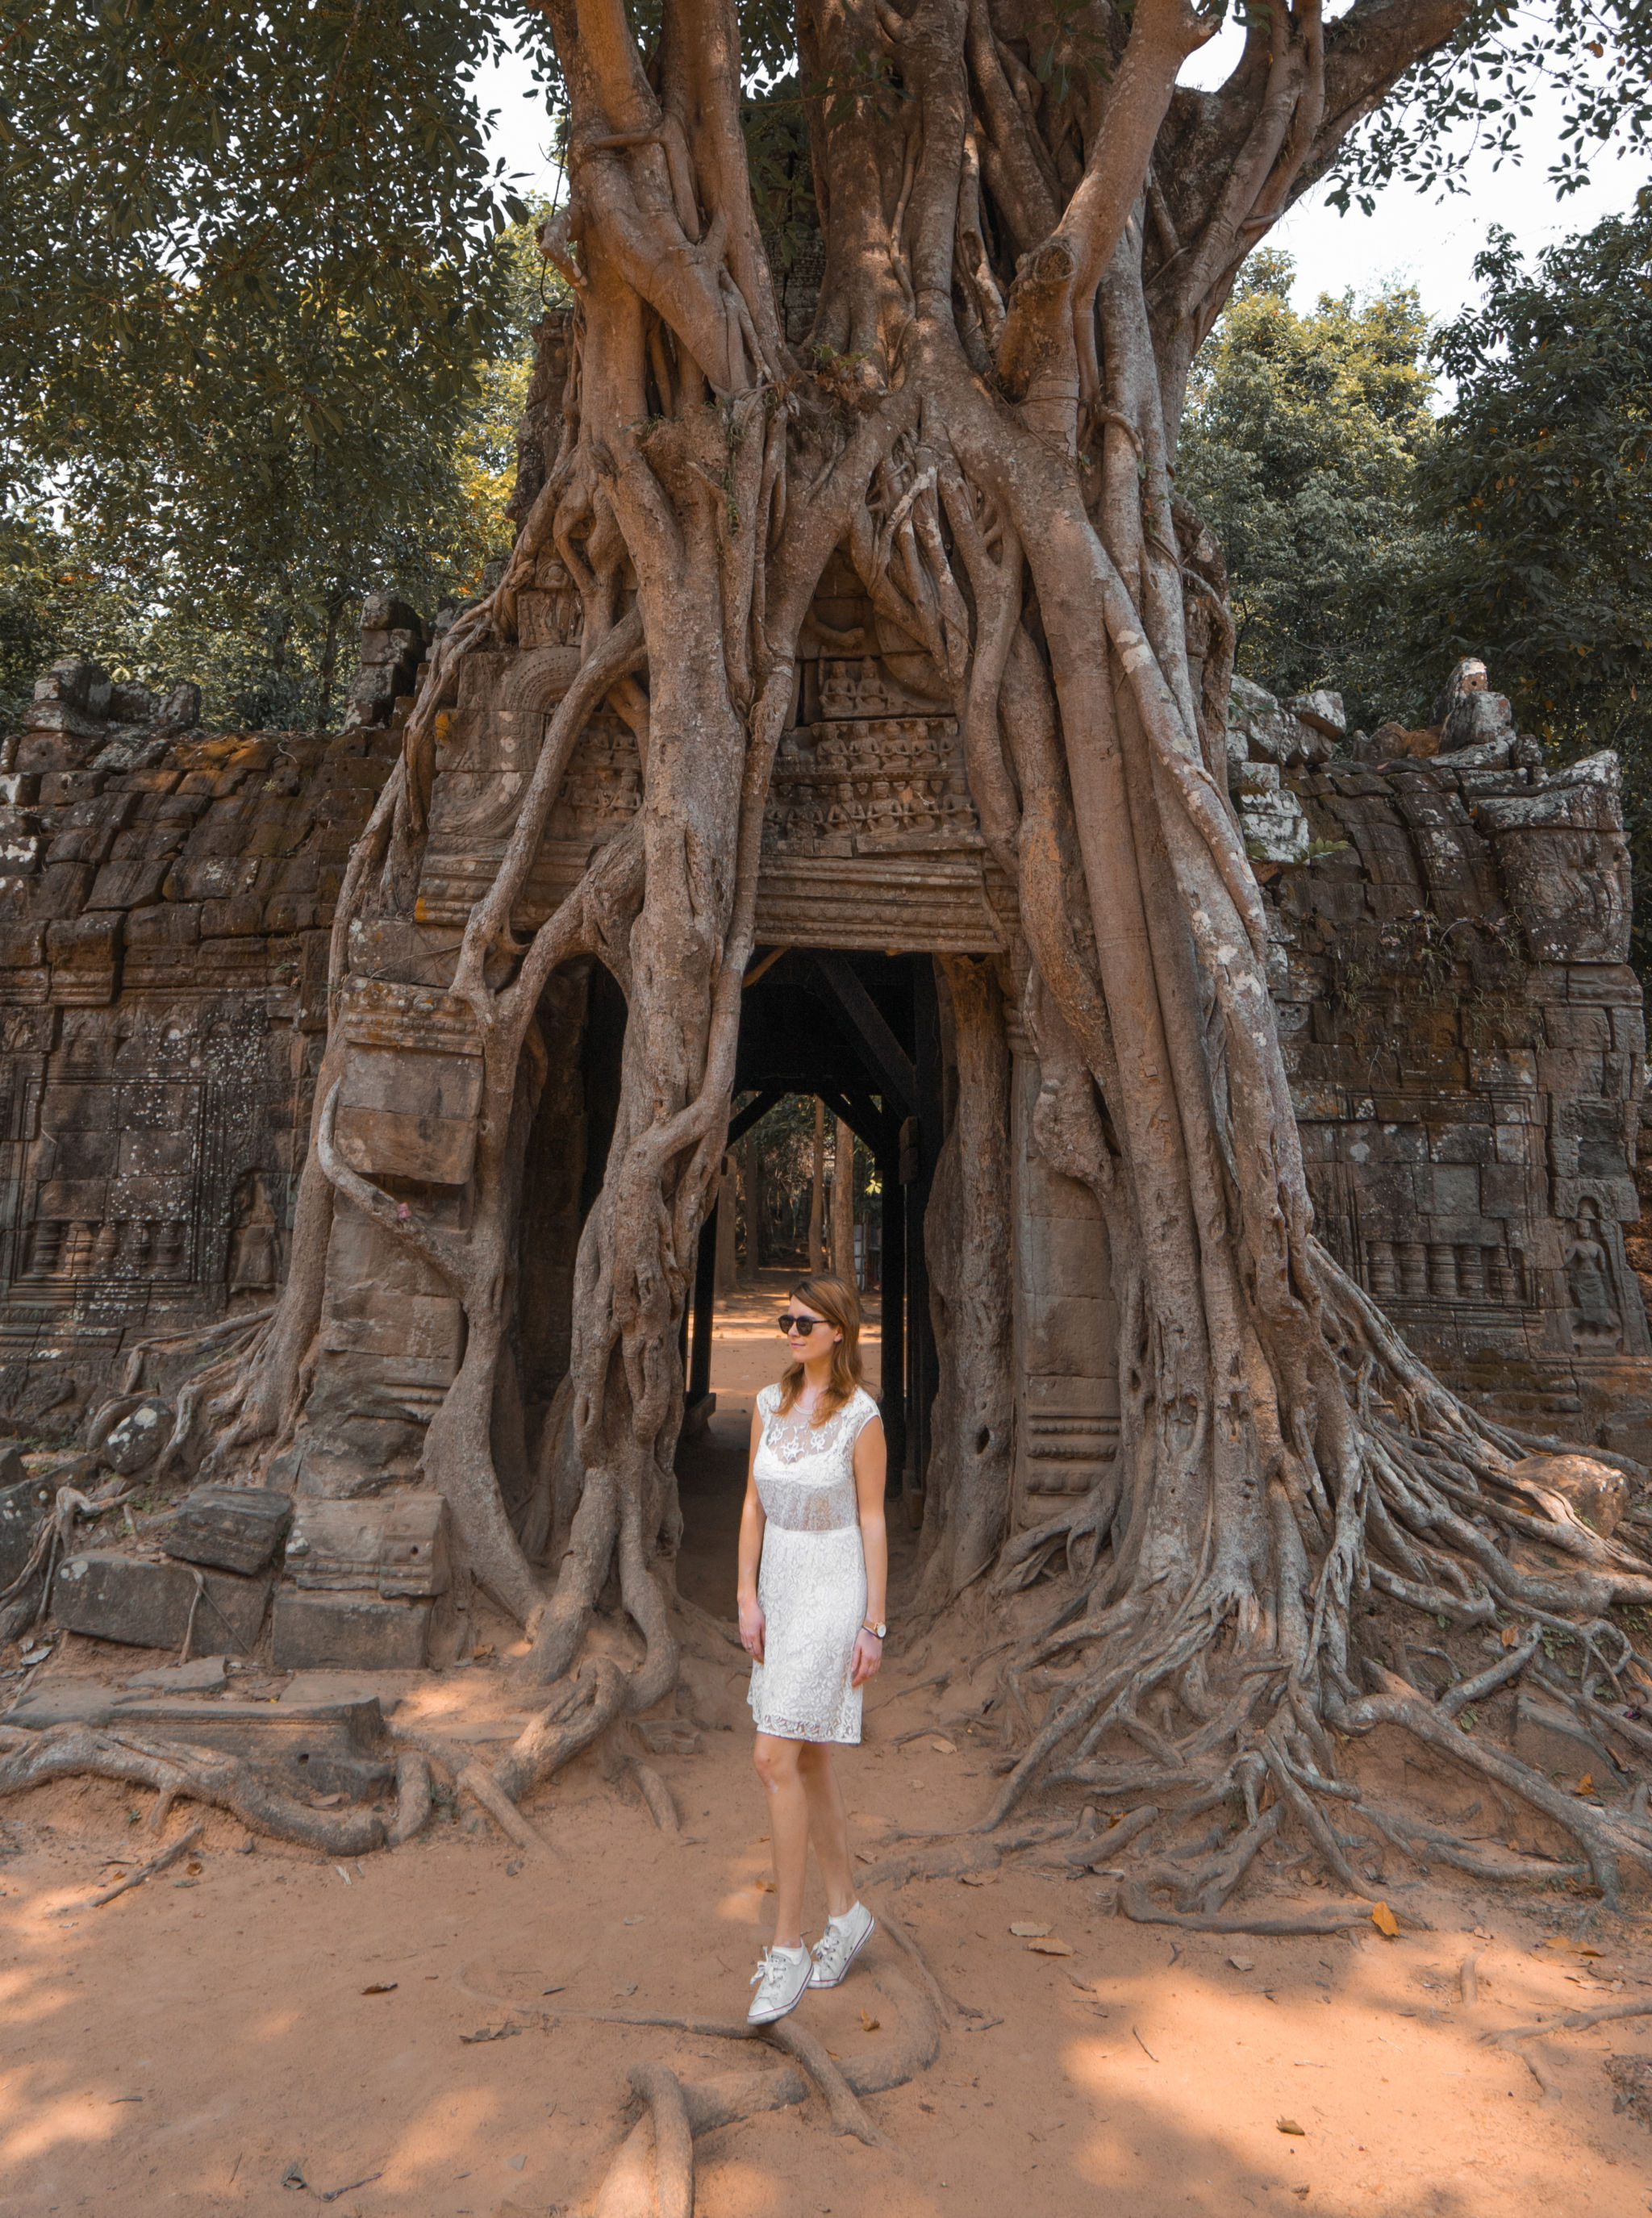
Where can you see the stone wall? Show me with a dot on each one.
(1450, 929)
(1466, 1045)
(164, 898)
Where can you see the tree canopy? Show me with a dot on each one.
(1298, 448)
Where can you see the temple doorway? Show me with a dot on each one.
(840, 1059)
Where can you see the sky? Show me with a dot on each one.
(1412, 238)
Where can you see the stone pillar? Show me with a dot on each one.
(1067, 1324)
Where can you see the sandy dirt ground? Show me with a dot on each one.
(302, 2032)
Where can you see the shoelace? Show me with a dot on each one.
(763, 1970)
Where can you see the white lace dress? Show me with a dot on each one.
(811, 1583)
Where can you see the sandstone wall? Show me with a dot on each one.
(1466, 1043)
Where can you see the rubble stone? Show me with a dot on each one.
(134, 1444)
(234, 1528)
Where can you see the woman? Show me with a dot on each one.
(814, 1561)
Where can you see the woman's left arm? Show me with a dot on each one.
(871, 1468)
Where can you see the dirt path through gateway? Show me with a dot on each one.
(206, 2043)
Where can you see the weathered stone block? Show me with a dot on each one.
(397, 1546)
(25, 1505)
(235, 1528)
(317, 1631)
(411, 1115)
(116, 1597)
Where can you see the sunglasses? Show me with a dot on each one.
(801, 1325)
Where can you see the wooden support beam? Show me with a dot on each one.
(890, 1060)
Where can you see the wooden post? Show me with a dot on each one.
(817, 1256)
(727, 1209)
(699, 1362)
(892, 1302)
(843, 1203)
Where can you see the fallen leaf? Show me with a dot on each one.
(1584, 1949)
(1023, 1931)
(978, 1878)
(1290, 2126)
(194, 1869)
(1384, 1919)
(1511, 1636)
(871, 2024)
(326, 1801)
(1045, 1948)
(943, 1747)
(1300, 2193)
(1243, 1963)
(490, 2033)
(383, 1987)
(487, 1649)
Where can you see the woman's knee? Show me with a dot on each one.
(775, 1761)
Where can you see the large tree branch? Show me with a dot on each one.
(1038, 353)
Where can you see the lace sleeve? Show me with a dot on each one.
(767, 1396)
(863, 1409)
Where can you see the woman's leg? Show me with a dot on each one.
(777, 1765)
(828, 1824)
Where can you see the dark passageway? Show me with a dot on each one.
(861, 1032)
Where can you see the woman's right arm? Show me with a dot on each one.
(751, 1551)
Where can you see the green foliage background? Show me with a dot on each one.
(263, 335)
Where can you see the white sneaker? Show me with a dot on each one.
(842, 1943)
(780, 1981)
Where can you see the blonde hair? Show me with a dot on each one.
(837, 1302)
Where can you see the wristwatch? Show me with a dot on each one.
(866, 1626)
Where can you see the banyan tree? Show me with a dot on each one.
(902, 307)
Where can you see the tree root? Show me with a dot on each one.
(484, 1790)
(654, 2169)
(657, 1795)
(201, 1774)
(846, 2116)
(653, 2172)
(953, 1858)
(1134, 1905)
(581, 1709)
(168, 1857)
(413, 1797)
(1573, 2021)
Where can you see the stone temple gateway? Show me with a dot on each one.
(1449, 935)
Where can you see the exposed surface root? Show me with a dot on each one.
(653, 2168)
(201, 1774)
(1573, 2022)
(846, 2116)
(173, 1853)
(951, 1859)
(1134, 1905)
